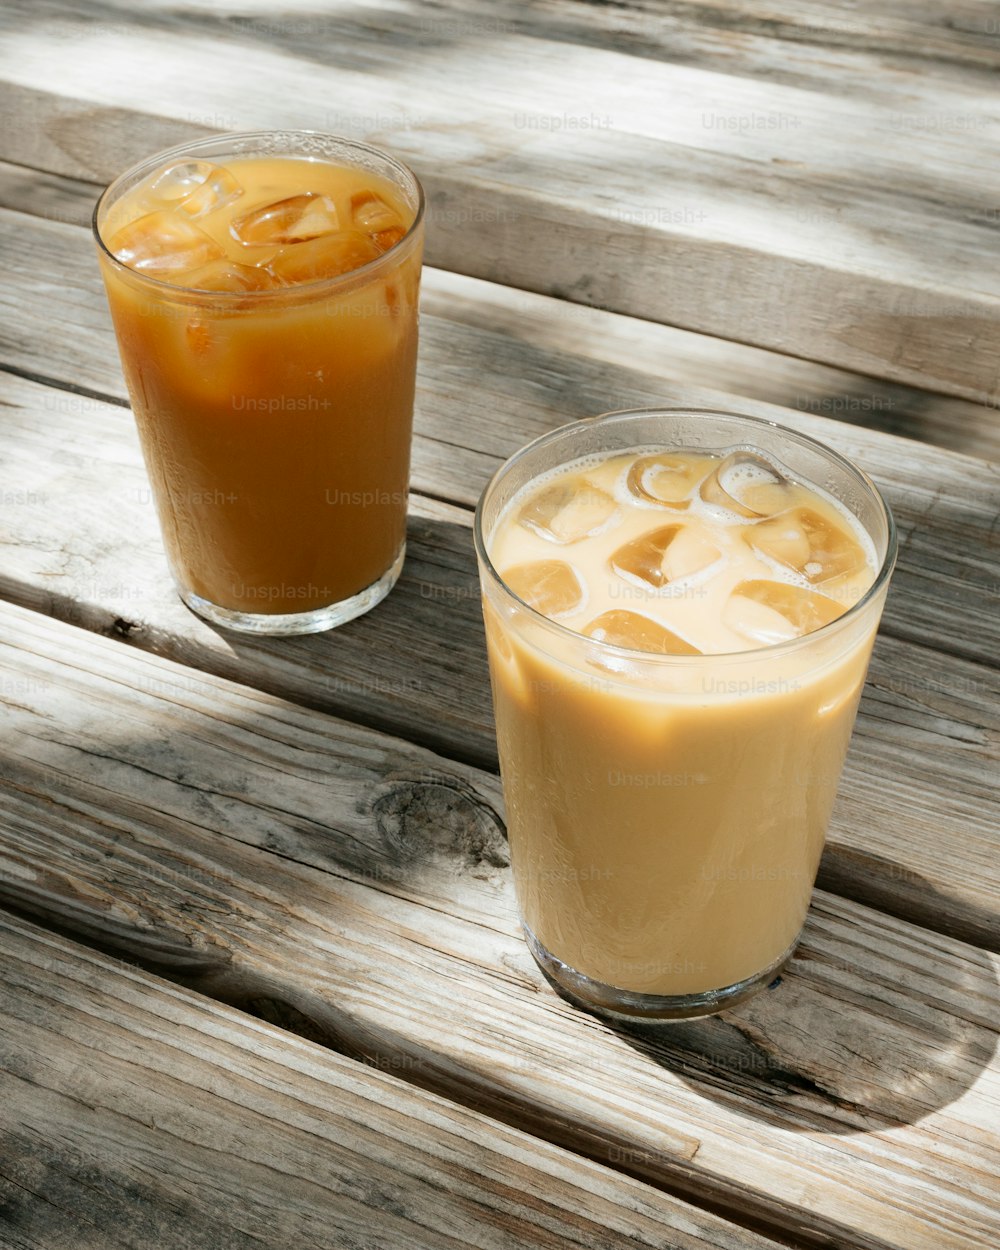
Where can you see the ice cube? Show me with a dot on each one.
(163, 243)
(568, 510)
(780, 538)
(199, 337)
(663, 479)
(374, 217)
(809, 543)
(292, 220)
(637, 633)
(641, 559)
(551, 587)
(665, 555)
(227, 275)
(767, 612)
(217, 190)
(690, 552)
(747, 484)
(326, 257)
(176, 182)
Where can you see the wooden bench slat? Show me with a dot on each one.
(677, 356)
(158, 812)
(837, 46)
(725, 202)
(483, 393)
(80, 543)
(140, 1113)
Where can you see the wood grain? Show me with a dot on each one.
(679, 357)
(482, 393)
(927, 737)
(139, 1114)
(267, 854)
(80, 542)
(833, 42)
(720, 191)
(554, 325)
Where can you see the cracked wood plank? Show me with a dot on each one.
(353, 887)
(139, 1114)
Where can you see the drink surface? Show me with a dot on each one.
(666, 818)
(254, 223)
(274, 409)
(682, 553)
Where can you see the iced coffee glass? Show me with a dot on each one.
(263, 289)
(680, 608)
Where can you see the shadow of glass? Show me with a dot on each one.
(853, 1037)
(414, 666)
(337, 797)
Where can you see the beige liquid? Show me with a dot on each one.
(667, 817)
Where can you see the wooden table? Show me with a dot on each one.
(261, 981)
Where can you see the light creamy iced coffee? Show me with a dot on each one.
(670, 748)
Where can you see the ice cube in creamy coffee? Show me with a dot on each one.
(680, 533)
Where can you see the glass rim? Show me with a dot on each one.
(241, 298)
(777, 648)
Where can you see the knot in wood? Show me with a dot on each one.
(424, 819)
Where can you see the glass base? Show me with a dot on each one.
(606, 1000)
(312, 622)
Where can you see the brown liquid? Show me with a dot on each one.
(275, 416)
(667, 815)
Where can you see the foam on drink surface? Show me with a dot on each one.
(679, 552)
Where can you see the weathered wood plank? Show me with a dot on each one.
(855, 1104)
(139, 1114)
(740, 210)
(482, 393)
(827, 43)
(680, 357)
(907, 788)
(80, 542)
(575, 329)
